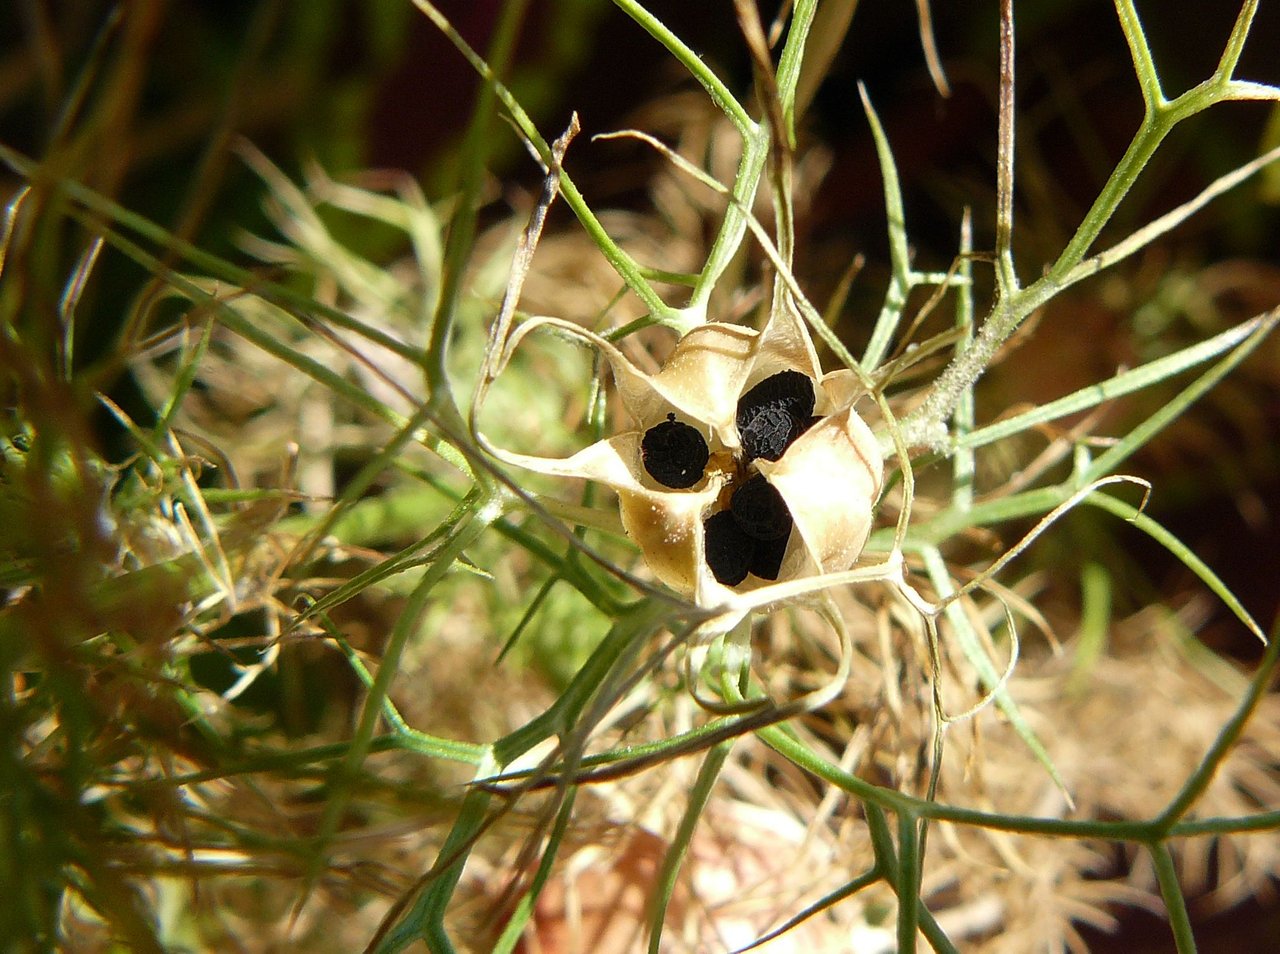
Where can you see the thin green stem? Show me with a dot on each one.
(884, 799)
(699, 794)
(1230, 733)
(907, 883)
(425, 920)
(1127, 382)
(871, 876)
(964, 464)
(755, 151)
(1006, 276)
(716, 89)
(1235, 44)
(1110, 460)
(468, 521)
(1174, 903)
(792, 59)
(462, 226)
(1143, 64)
(622, 263)
(733, 227)
(523, 913)
(1181, 551)
(900, 279)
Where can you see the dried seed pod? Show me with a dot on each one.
(674, 454)
(699, 429)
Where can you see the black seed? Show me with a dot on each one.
(766, 560)
(792, 390)
(774, 413)
(729, 550)
(769, 432)
(674, 454)
(760, 511)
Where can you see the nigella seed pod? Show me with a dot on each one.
(674, 454)
(774, 413)
(728, 404)
(729, 551)
(760, 510)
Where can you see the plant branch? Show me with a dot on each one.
(1005, 275)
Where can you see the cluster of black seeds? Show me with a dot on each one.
(751, 535)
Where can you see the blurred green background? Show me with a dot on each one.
(145, 102)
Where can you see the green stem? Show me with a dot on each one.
(462, 227)
(625, 266)
(1174, 904)
(1227, 738)
(907, 883)
(927, 424)
(691, 61)
(708, 774)
(734, 225)
(468, 522)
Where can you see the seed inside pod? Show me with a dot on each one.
(774, 413)
(766, 558)
(674, 454)
(749, 537)
(760, 510)
(729, 550)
